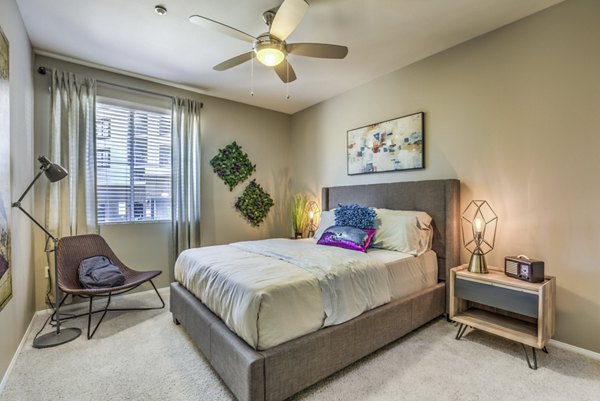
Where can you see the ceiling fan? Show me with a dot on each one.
(270, 48)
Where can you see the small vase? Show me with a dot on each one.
(298, 235)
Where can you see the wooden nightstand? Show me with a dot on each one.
(504, 306)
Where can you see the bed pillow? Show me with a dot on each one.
(327, 220)
(422, 217)
(355, 216)
(403, 230)
(353, 238)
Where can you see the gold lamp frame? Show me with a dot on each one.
(313, 212)
(479, 223)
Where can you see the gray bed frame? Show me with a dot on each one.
(281, 371)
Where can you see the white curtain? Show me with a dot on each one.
(71, 202)
(186, 174)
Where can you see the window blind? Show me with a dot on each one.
(133, 161)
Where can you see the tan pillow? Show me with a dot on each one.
(403, 231)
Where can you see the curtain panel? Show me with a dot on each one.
(71, 203)
(186, 174)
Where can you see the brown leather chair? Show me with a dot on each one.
(71, 251)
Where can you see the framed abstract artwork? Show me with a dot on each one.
(5, 206)
(392, 145)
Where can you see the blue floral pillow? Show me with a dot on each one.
(355, 216)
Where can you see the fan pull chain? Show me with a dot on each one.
(252, 76)
(287, 82)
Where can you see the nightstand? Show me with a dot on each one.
(514, 309)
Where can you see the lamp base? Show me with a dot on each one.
(477, 264)
(53, 339)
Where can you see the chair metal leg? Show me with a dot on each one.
(132, 309)
(90, 317)
(461, 330)
(161, 300)
(63, 315)
(89, 336)
(106, 309)
(533, 366)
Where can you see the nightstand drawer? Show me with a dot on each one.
(516, 301)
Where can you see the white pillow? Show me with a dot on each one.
(402, 230)
(327, 220)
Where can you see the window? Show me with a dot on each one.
(103, 128)
(164, 155)
(102, 158)
(133, 161)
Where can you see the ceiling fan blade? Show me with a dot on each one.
(232, 62)
(288, 17)
(219, 27)
(285, 71)
(320, 50)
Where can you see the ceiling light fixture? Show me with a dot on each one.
(160, 10)
(268, 51)
(270, 57)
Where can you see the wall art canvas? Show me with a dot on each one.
(391, 145)
(5, 204)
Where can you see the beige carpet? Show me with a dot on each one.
(144, 356)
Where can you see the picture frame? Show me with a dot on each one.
(5, 195)
(392, 145)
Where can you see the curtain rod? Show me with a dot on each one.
(43, 70)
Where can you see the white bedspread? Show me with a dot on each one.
(245, 283)
(351, 282)
(263, 300)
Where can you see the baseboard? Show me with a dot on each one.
(47, 311)
(16, 354)
(577, 350)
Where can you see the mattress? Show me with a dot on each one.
(267, 301)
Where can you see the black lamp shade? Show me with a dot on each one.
(54, 172)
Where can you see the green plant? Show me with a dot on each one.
(299, 215)
(232, 165)
(254, 203)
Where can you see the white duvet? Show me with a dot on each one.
(244, 283)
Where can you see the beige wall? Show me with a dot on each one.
(17, 313)
(514, 115)
(263, 134)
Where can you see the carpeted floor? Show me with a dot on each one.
(144, 356)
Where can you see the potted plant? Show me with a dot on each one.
(299, 215)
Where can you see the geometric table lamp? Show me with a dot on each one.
(479, 223)
(313, 210)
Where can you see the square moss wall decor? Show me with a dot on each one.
(254, 203)
(232, 165)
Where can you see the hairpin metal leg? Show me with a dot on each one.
(89, 336)
(461, 330)
(545, 349)
(534, 366)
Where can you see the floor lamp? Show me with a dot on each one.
(54, 173)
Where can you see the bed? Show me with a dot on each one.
(277, 372)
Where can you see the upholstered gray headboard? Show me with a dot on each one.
(439, 198)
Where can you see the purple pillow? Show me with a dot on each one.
(347, 237)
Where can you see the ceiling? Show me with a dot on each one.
(382, 36)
